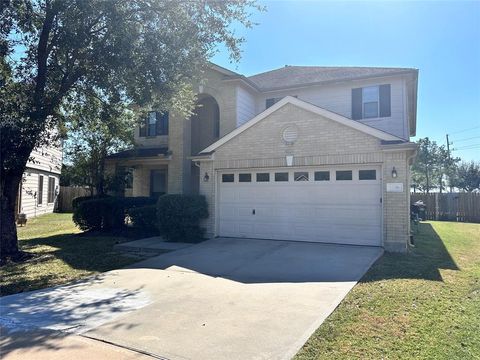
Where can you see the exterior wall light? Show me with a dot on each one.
(206, 177)
(289, 160)
(394, 172)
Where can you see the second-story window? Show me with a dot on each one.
(371, 102)
(155, 124)
(152, 124)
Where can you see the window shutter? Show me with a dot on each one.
(143, 128)
(357, 104)
(269, 102)
(165, 117)
(158, 123)
(385, 102)
(162, 123)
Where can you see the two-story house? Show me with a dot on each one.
(300, 153)
(38, 191)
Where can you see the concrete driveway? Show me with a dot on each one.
(221, 299)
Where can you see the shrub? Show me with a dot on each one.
(106, 212)
(76, 201)
(144, 217)
(179, 216)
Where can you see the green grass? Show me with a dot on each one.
(421, 305)
(64, 254)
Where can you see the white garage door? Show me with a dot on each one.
(332, 205)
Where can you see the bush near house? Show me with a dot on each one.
(76, 201)
(144, 217)
(179, 216)
(107, 212)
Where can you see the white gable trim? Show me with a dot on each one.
(306, 106)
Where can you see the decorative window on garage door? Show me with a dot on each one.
(300, 176)
(367, 174)
(343, 175)
(322, 175)
(244, 177)
(281, 176)
(263, 177)
(228, 178)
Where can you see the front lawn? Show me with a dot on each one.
(422, 305)
(63, 254)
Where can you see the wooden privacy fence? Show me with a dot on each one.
(67, 194)
(461, 207)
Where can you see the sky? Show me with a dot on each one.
(441, 39)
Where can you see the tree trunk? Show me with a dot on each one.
(8, 229)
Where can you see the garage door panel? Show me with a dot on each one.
(346, 212)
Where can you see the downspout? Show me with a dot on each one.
(409, 163)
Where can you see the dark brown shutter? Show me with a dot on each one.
(357, 104)
(165, 118)
(385, 102)
(162, 123)
(158, 123)
(269, 102)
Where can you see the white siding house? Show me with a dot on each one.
(40, 185)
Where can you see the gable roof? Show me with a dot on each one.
(297, 76)
(309, 107)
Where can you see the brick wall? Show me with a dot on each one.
(320, 142)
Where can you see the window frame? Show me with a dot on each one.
(149, 124)
(262, 173)
(377, 87)
(248, 175)
(280, 175)
(321, 171)
(228, 174)
(343, 171)
(51, 190)
(369, 171)
(40, 190)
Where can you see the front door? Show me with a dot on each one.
(158, 183)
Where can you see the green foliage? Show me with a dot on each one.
(56, 54)
(144, 217)
(102, 212)
(179, 216)
(97, 125)
(467, 176)
(78, 200)
(433, 166)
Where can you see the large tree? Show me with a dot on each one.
(143, 51)
(96, 126)
(467, 176)
(425, 170)
(433, 166)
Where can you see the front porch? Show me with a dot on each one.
(146, 171)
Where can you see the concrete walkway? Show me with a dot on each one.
(221, 299)
(50, 345)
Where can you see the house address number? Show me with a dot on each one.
(394, 187)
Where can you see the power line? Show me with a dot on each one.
(461, 131)
(465, 139)
(468, 147)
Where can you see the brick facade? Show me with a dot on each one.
(320, 142)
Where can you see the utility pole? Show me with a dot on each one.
(449, 159)
(448, 147)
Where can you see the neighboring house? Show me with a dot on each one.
(40, 186)
(298, 153)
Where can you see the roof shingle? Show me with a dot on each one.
(292, 76)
